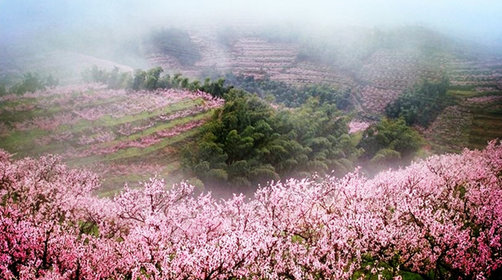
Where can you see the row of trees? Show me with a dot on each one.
(279, 92)
(30, 82)
(437, 219)
(291, 96)
(153, 79)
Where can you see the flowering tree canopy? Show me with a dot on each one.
(440, 218)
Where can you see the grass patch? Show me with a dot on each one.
(355, 138)
(159, 127)
(141, 152)
(462, 93)
(108, 121)
(21, 142)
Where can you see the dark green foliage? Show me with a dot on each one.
(152, 79)
(420, 104)
(3, 90)
(390, 141)
(248, 142)
(51, 81)
(32, 82)
(114, 79)
(216, 88)
(138, 81)
(289, 95)
(148, 80)
(176, 43)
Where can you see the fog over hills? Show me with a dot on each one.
(267, 139)
(473, 20)
(116, 30)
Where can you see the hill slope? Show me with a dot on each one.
(125, 136)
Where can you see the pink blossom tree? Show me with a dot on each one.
(440, 218)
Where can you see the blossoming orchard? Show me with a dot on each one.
(440, 218)
(250, 142)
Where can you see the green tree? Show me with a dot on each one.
(390, 140)
(138, 81)
(420, 104)
(152, 78)
(260, 143)
(31, 82)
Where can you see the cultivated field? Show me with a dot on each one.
(477, 116)
(124, 136)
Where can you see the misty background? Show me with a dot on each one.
(361, 55)
(88, 32)
(23, 20)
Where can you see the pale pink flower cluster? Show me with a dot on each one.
(444, 212)
(483, 74)
(93, 102)
(356, 126)
(100, 137)
(394, 71)
(375, 99)
(129, 168)
(485, 99)
(128, 129)
(142, 142)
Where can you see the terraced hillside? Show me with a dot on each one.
(387, 72)
(477, 116)
(124, 136)
(376, 76)
(251, 55)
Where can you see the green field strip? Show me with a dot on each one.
(16, 141)
(493, 117)
(20, 101)
(141, 152)
(56, 148)
(109, 121)
(113, 184)
(486, 127)
(130, 154)
(23, 142)
(489, 110)
(488, 132)
(101, 102)
(479, 142)
(38, 112)
(463, 87)
(462, 93)
(23, 147)
(159, 127)
(472, 93)
(20, 116)
(495, 129)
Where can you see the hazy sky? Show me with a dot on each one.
(478, 20)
